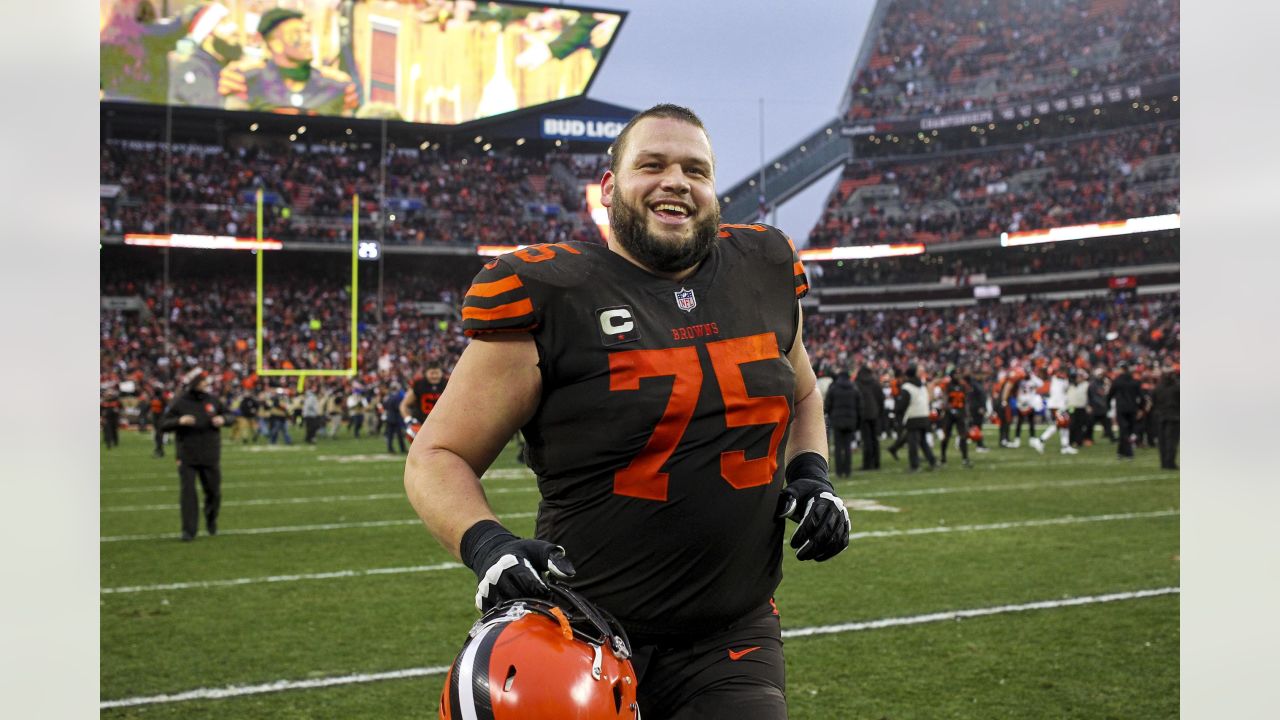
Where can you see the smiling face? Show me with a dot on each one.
(290, 43)
(661, 197)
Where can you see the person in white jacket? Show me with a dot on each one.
(1058, 420)
(913, 407)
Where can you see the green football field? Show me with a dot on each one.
(1027, 587)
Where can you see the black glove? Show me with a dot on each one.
(508, 567)
(810, 499)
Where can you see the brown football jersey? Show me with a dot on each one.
(664, 415)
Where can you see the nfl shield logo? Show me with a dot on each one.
(685, 300)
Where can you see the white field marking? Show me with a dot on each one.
(500, 491)
(301, 528)
(977, 612)
(362, 458)
(869, 506)
(268, 501)
(277, 686)
(277, 448)
(302, 500)
(1068, 520)
(1015, 486)
(231, 691)
(330, 478)
(284, 578)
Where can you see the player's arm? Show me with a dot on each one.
(808, 497)
(495, 389)
(808, 430)
(407, 403)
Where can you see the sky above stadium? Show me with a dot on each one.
(720, 57)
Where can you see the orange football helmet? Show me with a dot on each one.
(975, 433)
(531, 659)
(1063, 419)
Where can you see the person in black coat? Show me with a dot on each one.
(870, 410)
(1098, 405)
(196, 417)
(1166, 404)
(1127, 394)
(841, 408)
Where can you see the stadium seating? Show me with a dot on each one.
(931, 57)
(1131, 172)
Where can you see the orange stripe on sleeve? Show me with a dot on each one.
(495, 288)
(502, 312)
(802, 290)
(799, 268)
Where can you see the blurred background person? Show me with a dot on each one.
(109, 410)
(870, 416)
(212, 42)
(1127, 395)
(278, 418)
(393, 422)
(196, 417)
(1078, 406)
(841, 408)
(1099, 406)
(1166, 403)
(421, 398)
(913, 408)
(311, 415)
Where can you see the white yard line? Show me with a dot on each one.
(299, 528)
(232, 691)
(331, 477)
(502, 491)
(1067, 520)
(976, 612)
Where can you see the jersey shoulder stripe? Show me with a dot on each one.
(498, 301)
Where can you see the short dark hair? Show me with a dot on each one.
(663, 110)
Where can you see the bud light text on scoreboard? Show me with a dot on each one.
(581, 128)
(369, 250)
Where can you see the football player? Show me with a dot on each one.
(672, 419)
(955, 418)
(1059, 421)
(421, 398)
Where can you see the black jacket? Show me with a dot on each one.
(1127, 393)
(198, 444)
(1166, 400)
(1098, 397)
(870, 396)
(841, 404)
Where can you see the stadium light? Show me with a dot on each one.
(203, 242)
(862, 252)
(1154, 223)
(496, 250)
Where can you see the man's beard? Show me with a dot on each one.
(630, 227)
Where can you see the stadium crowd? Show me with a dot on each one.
(932, 57)
(307, 194)
(981, 194)
(211, 326)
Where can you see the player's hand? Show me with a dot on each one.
(187, 420)
(218, 421)
(810, 500)
(509, 567)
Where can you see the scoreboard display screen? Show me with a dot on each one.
(428, 61)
